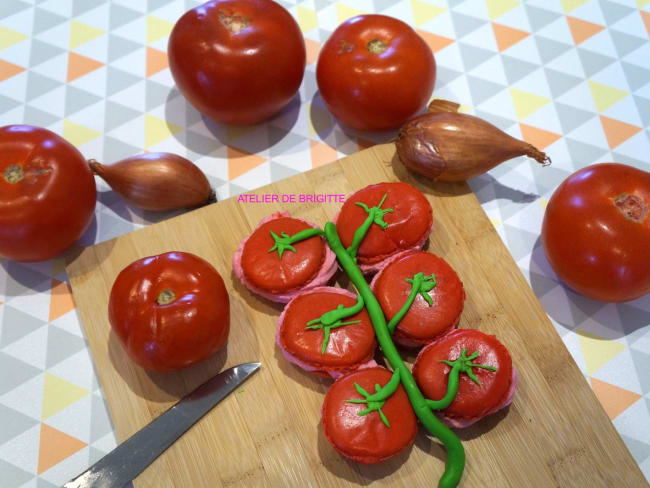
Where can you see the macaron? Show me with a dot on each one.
(374, 436)
(493, 389)
(408, 216)
(262, 270)
(424, 321)
(330, 349)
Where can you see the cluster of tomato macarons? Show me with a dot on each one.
(347, 349)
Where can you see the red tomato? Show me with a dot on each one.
(375, 72)
(47, 193)
(169, 311)
(596, 232)
(237, 61)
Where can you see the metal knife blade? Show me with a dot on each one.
(131, 457)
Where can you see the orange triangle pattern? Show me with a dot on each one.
(61, 301)
(313, 49)
(240, 162)
(321, 154)
(156, 61)
(645, 17)
(507, 36)
(7, 70)
(581, 29)
(79, 66)
(55, 446)
(615, 400)
(539, 138)
(435, 42)
(616, 131)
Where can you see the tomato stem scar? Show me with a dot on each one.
(234, 23)
(13, 174)
(632, 207)
(376, 46)
(166, 297)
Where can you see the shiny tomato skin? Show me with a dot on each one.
(241, 77)
(171, 336)
(591, 245)
(52, 199)
(375, 91)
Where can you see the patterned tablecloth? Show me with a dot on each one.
(570, 76)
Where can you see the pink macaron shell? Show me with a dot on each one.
(327, 270)
(332, 372)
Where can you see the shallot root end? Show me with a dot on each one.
(537, 155)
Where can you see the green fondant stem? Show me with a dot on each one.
(402, 311)
(419, 284)
(359, 234)
(455, 453)
(284, 242)
(375, 215)
(452, 389)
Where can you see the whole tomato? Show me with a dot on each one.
(47, 193)
(596, 232)
(375, 72)
(237, 61)
(169, 311)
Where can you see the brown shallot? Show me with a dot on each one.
(156, 181)
(445, 145)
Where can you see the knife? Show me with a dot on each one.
(129, 459)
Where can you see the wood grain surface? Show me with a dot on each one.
(268, 433)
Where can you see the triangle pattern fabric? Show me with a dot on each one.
(55, 446)
(597, 350)
(613, 399)
(79, 66)
(240, 162)
(581, 29)
(616, 131)
(58, 394)
(570, 77)
(507, 36)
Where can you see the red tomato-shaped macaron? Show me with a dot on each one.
(473, 401)
(365, 438)
(423, 323)
(348, 346)
(281, 278)
(409, 222)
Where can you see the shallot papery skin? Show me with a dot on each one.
(451, 146)
(156, 181)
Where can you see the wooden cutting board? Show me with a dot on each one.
(268, 433)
